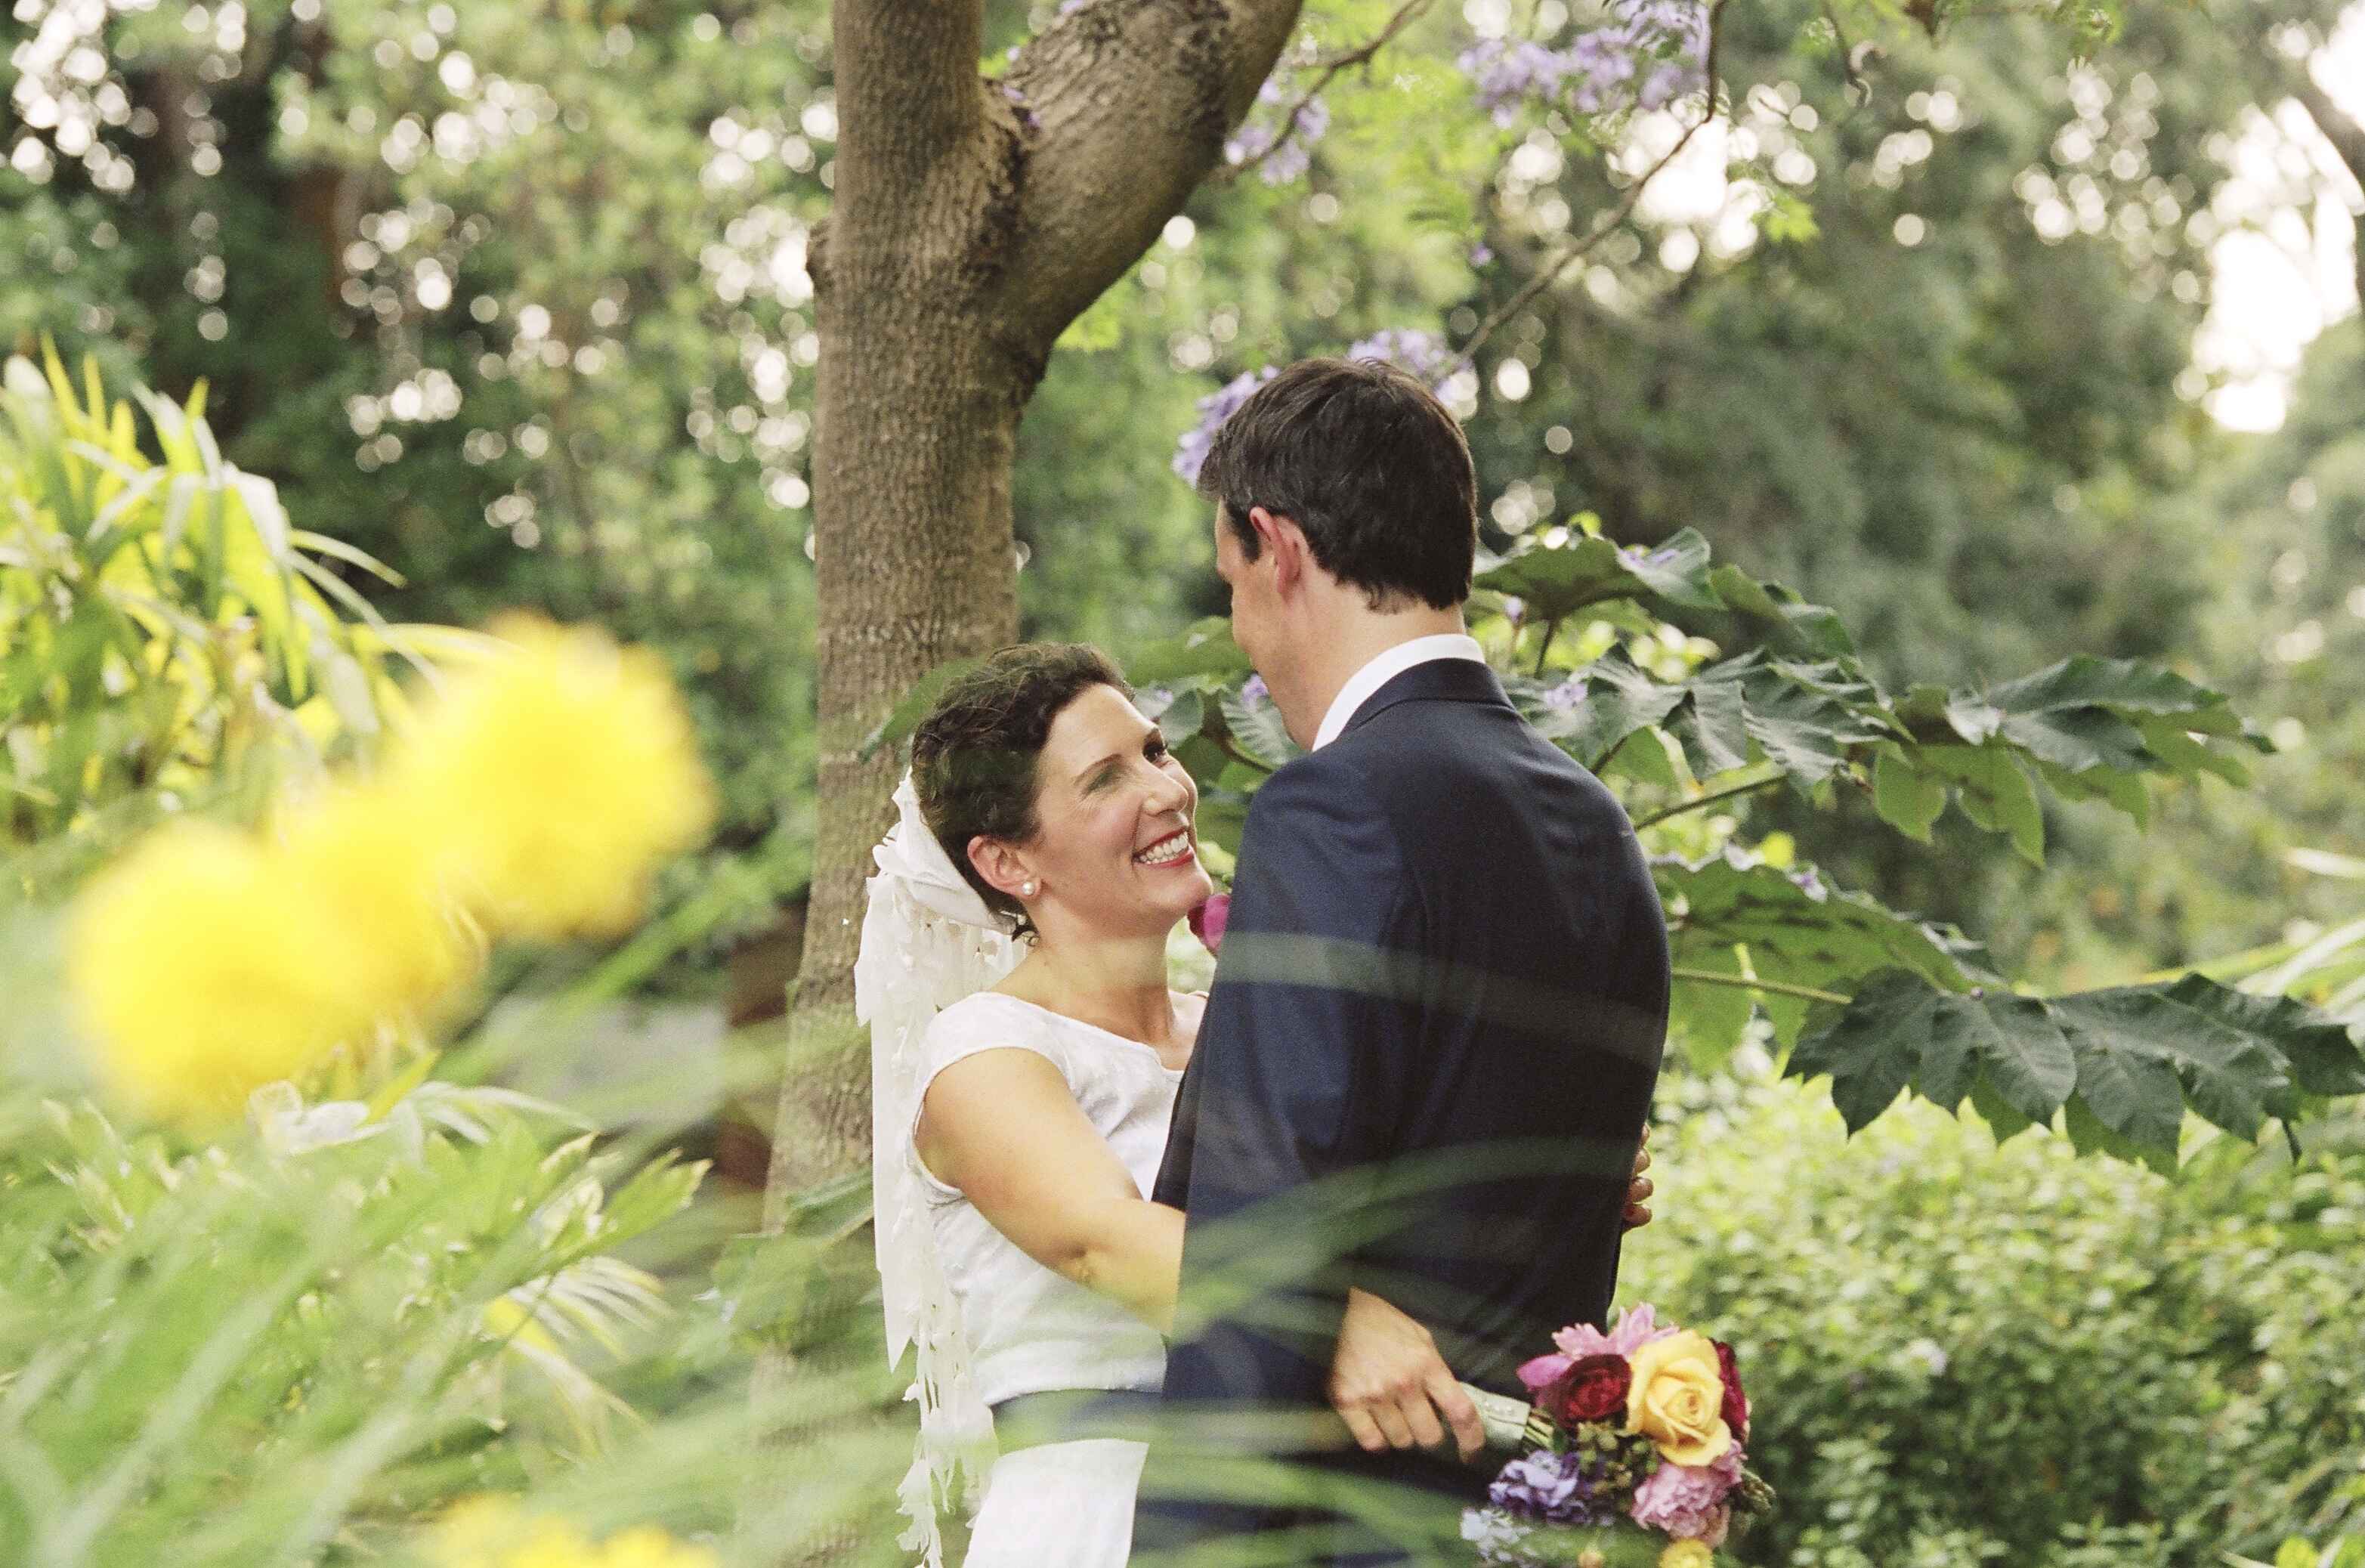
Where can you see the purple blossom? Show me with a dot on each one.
(1190, 450)
(1255, 693)
(1565, 696)
(1594, 72)
(1069, 7)
(1497, 1535)
(1515, 611)
(1408, 348)
(1481, 254)
(1555, 1487)
(1286, 150)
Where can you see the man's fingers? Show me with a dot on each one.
(1365, 1430)
(1639, 1190)
(1392, 1424)
(1460, 1413)
(1642, 1163)
(1637, 1216)
(1422, 1420)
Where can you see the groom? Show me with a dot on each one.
(1437, 1016)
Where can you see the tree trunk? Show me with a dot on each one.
(972, 222)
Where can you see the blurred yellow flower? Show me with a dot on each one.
(495, 1532)
(371, 852)
(203, 971)
(564, 775)
(1687, 1554)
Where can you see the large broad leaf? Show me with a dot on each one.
(1556, 583)
(1995, 793)
(1706, 1019)
(1800, 931)
(1608, 701)
(2121, 1067)
(1779, 617)
(1907, 799)
(1257, 730)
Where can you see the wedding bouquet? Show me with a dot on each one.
(1633, 1458)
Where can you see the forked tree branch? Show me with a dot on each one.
(1328, 66)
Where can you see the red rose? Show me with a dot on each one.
(1736, 1404)
(1594, 1389)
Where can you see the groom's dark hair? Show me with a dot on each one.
(1364, 458)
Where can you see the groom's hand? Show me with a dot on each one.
(1392, 1388)
(1639, 1190)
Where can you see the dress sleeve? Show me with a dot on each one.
(968, 1027)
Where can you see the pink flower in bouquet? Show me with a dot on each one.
(1635, 1327)
(1687, 1500)
(1207, 921)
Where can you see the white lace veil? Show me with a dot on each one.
(927, 941)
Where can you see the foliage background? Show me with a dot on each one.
(512, 296)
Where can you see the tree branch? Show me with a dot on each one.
(1742, 982)
(1129, 106)
(1711, 797)
(2348, 139)
(1575, 251)
(1330, 66)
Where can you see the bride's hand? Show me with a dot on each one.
(1391, 1386)
(1639, 1190)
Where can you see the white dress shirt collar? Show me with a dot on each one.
(1365, 683)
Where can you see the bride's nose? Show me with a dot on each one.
(1170, 796)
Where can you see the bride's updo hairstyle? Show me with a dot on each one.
(973, 757)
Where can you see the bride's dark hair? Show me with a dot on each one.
(973, 757)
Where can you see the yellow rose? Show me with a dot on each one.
(1677, 1399)
(1687, 1554)
(563, 774)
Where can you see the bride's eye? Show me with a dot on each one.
(1154, 748)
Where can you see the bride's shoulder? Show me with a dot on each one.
(987, 1015)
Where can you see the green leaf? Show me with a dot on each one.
(2317, 1050)
(2143, 1052)
(1556, 582)
(1707, 1021)
(1800, 932)
(2085, 682)
(1995, 793)
(1618, 699)
(2078, 739)
(2124, 790)
(2004, 1051)
(1182, 717)
(1780, 618)
(2170, 741)
(1907, 799)
(1206, 649)
(1865, 1047)
(1257, 728)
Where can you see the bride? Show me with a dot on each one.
(1026, 1050)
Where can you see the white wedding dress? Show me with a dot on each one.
(1063, 1505)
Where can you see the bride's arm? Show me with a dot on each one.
(1002, 1127)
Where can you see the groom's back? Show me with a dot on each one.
(1531, 1023)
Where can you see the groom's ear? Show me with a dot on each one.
(1281, 538)
(1004, 869)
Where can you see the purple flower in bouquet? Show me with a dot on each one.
(1687, 1501)
(1557, 1487)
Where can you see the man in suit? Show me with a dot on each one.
(1437, 1016)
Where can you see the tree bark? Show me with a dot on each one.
(972, 221)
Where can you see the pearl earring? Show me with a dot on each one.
(1028, 890)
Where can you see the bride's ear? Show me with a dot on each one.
(1004, 868)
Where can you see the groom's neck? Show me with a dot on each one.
(1338, 643)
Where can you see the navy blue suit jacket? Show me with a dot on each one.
(1424, 1070)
